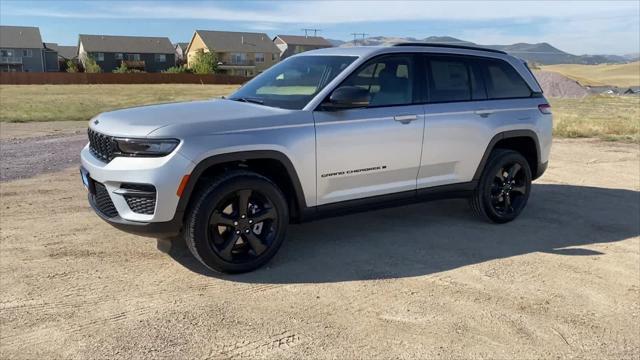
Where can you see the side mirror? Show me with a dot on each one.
(346, 97)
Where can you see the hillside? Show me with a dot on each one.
(621, 75)
(542, 53)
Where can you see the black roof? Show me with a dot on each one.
(441, 45)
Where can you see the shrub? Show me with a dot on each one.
(122, 69)
(90, 65)
(204, 63)
(71, 66)
(178, 70)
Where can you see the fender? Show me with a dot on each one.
(506, 135)
(239, 156)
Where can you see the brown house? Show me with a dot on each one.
(238, 53)
(294, 44)
(150, 54)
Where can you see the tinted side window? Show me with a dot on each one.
(503, 81)
(388, 79)
(448, 80)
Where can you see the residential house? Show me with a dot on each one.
(295, 44)
(238, 53)
(150, 54)
(64, 53)
(181, 52)
(21, 49)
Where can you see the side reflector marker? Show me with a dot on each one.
(183, 185)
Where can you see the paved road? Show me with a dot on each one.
(27, 157)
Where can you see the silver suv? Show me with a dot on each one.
(317, 134)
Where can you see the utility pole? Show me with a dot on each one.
(355, 37)
(307, 31)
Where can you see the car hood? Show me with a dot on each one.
(182, 118)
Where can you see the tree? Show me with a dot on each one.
(90, 65)
(204, 63)
(71, 66)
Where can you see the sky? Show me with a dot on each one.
(578, 27)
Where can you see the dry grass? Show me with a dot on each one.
(604, 117)
(621, 75)
(25, 103)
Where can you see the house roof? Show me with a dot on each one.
(126, 44)
(182, 45)
(67, 52)
(20, 37)
(228, 41)
(304, 40)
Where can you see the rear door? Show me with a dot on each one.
(375, 150)
(456, 118)
(470, 99)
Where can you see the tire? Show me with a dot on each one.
(499, 198)
(225, 238)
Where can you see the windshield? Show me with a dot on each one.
(292, 83)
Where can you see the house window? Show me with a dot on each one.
(238, 58)
(119, 56)
(6, 52)
(27, 53)
(273, 57)
(98, 56)
(259, 57)
(161, 58)
(133, 57)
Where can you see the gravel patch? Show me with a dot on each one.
(27, 157)
(559, 86)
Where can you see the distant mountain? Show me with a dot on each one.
(632, 57)
(541, 53)
(335, 42)
(446, 40)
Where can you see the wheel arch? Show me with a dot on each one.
(524, 141)
(269, 163)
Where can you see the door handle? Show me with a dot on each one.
(483, 113)
(405, 119)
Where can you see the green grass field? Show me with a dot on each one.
(604, 117)
(25, 103)
(621, 75)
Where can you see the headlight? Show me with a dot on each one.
(145, 147)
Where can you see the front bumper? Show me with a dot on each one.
(150, 229)
(164, 173)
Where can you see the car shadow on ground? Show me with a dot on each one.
(432, 237)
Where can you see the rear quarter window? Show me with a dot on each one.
(503, 81)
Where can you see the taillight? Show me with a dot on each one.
(545, 108)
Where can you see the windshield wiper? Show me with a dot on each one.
(249, 100)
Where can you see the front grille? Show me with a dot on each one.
(145, 204)
(101, 146)
(103, 201)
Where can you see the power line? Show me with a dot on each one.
(355, 37)
(315, 32)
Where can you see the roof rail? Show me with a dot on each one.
(442, 45)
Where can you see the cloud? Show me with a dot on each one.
(574, 26)
(333, 12)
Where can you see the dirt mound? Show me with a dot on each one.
(559, 86)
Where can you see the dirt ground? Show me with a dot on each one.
(422, 281)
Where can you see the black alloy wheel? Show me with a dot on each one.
(242, 226)
(509, 189)
(237, 222)
(503, 190)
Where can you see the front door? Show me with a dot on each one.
(372, 151)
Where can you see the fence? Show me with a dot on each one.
(26, 78)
